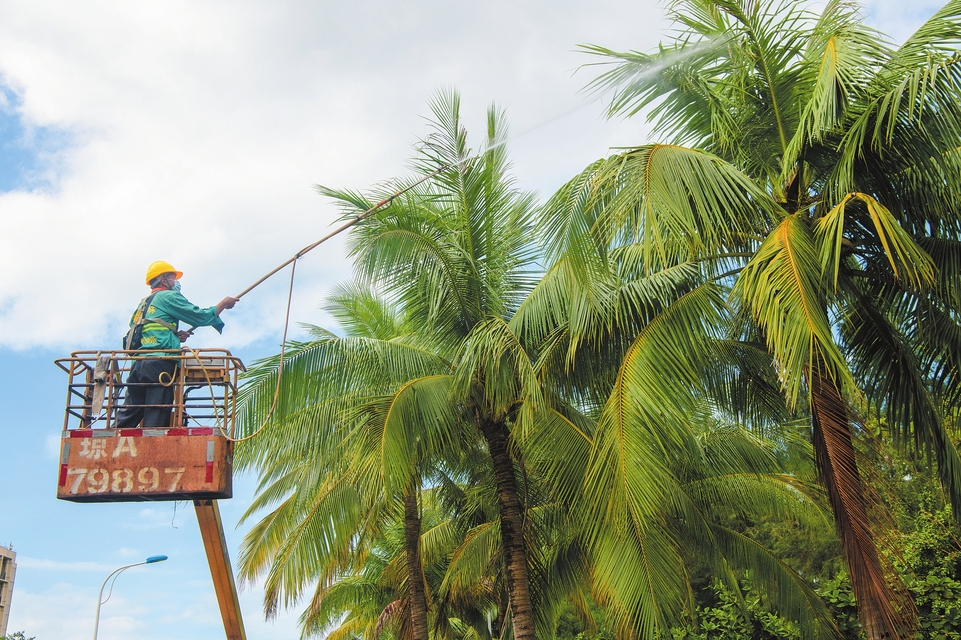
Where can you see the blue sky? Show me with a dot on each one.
(194, 132)
(27, 154)
(65, 550)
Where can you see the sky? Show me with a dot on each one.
(195, 132)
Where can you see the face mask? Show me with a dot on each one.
(176, 286)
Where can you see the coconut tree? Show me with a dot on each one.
(372, 597)
(484, 357)
(344, 462)
(350, 513)
(457, 256)
(642, 357)
(810, 168)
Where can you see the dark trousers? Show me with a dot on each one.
(145, 387)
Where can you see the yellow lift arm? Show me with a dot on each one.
(212, 532)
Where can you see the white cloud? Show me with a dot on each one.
(65, 611)
(198, 129)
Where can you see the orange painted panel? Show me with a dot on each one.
(113, 465)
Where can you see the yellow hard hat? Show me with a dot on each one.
(159, 268)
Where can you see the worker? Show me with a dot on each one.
(150, 379)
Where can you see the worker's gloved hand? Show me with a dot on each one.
(226, 303)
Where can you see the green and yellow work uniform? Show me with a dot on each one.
(149, 394)
(172, 307)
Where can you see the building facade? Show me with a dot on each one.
(8, 570)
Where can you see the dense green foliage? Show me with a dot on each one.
(925, 547)
(646, 408)
(412, 396)
(811, 167)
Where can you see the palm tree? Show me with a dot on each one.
(352, 406)
(654, 381)
(342, 460)
(457, 256)
(819, 186)
(492, 388)
(372, 597)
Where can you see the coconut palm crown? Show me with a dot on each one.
(812, 169)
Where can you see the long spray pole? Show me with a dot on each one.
(347, 225)
(649, 72)
(369, 212)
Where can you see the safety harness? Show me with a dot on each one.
(133, 340)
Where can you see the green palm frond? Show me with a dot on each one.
(786, 592)
(945, 253)
(640, 577)
(893, 381)
(776, 495)
(362, 313)
(840, 56)
(571, 434)
(395, 432)
(940, 34)
(629, 485)
(935, 333)
(440, 540)
(908, 261)
(677, 202)
(902, 139)
(744, 387)
(645, 420)
(680, 75)
(782, 286)
(471, 562)
(566, 229)
(357, 594)
(315, 376)
(285, 543)
(493, 354)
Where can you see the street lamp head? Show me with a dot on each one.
(153, 559)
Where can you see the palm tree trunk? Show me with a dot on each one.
(417, 591)
(512, 534)
(836, 462)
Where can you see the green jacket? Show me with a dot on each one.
(172, 307)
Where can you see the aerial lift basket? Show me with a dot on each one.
(191, 459)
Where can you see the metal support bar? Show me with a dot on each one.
(212, 532)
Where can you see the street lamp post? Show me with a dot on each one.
(114, 575)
